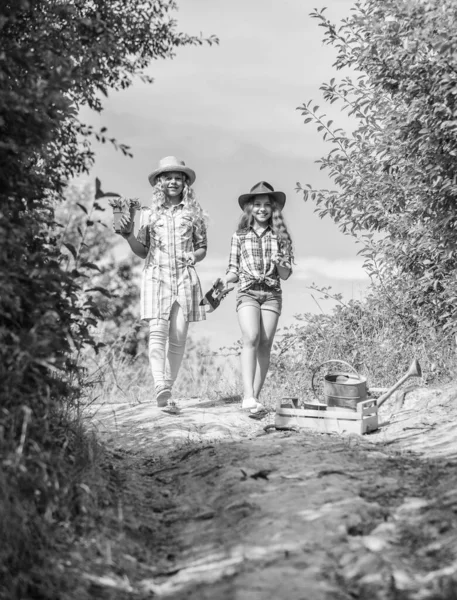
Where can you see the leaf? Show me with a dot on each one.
(99, 193)
(82, 207)
(72, 249)
(90, 265)
(103, 291)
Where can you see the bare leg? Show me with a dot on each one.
(176, 344)
(249, 320)
(268, 323)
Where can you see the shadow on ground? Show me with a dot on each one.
(215, 505)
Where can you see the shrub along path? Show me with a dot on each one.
(209, 505)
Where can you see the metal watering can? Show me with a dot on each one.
(341, 388)
(346, 389)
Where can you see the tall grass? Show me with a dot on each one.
(376, 340)
(118, 376)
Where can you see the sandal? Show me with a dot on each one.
(250, 404)
(260, 413)
(172, 408)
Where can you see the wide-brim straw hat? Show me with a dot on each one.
(171, 164)
(262, 188)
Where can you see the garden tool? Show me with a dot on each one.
(413, 371)
(213, 297)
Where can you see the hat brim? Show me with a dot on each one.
(279, 197)
(190, 174)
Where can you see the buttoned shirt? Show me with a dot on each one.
(169, 234)
(250, 258)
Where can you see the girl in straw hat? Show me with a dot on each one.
(171, 239)
(261, 254)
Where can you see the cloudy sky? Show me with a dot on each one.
(230, 112)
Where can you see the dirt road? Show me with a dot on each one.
(212, 506)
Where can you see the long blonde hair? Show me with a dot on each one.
(192, 207)
(276, 223)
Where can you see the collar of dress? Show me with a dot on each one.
(167, 206)
(267, 228)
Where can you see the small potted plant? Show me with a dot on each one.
(124, 206)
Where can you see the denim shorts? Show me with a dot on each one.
(261, 296)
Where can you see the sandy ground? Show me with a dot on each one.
(213, 505)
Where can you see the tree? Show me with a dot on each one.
(55, 56)
(395, 175)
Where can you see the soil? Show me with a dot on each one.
(210, 504)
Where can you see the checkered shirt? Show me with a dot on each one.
(166, 277)
(250, 258)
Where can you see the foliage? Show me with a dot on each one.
(395, 174)
(124, 204)
(54, 58)
(85, 229)
(368, 334)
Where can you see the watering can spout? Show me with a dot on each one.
(413, 371)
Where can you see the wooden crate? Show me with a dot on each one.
(327, 419)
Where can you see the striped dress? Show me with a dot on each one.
(166, 276)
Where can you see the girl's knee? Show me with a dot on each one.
(178, 337)
(251, 341)
(265, 345)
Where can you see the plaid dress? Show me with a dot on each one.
(166, 276)
(250, 258)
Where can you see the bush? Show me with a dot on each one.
(394, 175)
(373, 336)
(54, 58)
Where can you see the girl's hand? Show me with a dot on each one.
(220, 283)
(280, 261)
(126, 226)
(189, 257)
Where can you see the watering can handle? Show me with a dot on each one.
(325, 363)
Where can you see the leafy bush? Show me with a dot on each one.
(54, 58)
(369, 334)
(395, 174)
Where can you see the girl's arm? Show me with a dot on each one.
(136, 246)
(283, 271)
(196, 256)
(200, 243)
(231, 276)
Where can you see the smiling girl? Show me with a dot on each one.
(261, 254)
(171, 239)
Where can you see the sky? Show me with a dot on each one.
(229, 111)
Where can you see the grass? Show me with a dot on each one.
(117, 377)
(42, 510)
(377, 348)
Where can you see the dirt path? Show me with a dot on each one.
(211, 506)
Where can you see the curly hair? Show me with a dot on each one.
(276, 223)
(192, 207)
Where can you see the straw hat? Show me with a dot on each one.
(172, 164)
(263, 188)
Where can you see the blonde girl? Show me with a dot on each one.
(172, 239)
(261, 255)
